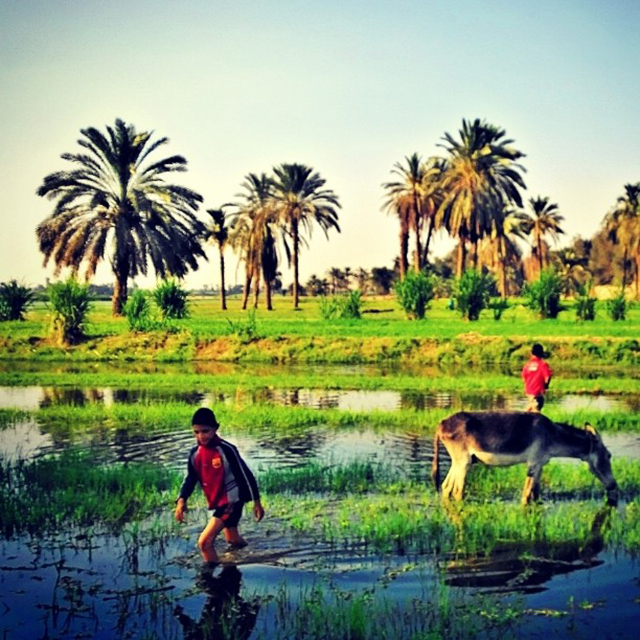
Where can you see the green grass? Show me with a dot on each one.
(285, 335)
(279, 421)
(73, 489)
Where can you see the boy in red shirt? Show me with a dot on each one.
(227, 483)
(537, 376)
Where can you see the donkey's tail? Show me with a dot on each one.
(435, 466)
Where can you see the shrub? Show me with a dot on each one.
(543, 295)
(472, 293)
(171, 299)
(585, 304)
(137, 310)
(617, 306)
(246, 331)
(414, 293)
(498, 306)
(15, 300)
(346, 307)
(70, 304)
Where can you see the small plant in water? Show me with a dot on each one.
(15, 300)
(70, 305)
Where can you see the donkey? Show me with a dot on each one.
(506, 438)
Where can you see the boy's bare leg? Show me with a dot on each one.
(207, 539)
(234, 538)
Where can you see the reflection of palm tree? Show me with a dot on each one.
(116, 202)
(300, 199)
(481, 177)
(544, 220)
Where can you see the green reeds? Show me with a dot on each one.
(73, 489)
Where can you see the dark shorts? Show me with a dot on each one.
(230, 514)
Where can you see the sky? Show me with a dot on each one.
(348, 88)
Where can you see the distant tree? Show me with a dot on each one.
(317, 287)
(382, 279)
(218, 232)
(543, 220)
(363, 278)
(15, 300)
(301, 199)
(116, 204)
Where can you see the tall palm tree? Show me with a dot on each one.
(623, 227)
(405, 198)
(114, 203)
(300, 199)
(481, 177)
(218, 231)
(499, 250)
(254, 212)
(432, 197)
(544, 220)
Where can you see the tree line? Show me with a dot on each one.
(116, 203)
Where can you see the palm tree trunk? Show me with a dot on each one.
(120, 294)
(425, 254)
(223, 293)
(540, 260)
(256, 290)
(638, 277)
(624, 269)
(404, 250)
(462, 257)
(296, 248)
(417, 261)
(247, 288)
(267, 295)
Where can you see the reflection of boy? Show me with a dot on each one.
(537, 376)
(227, 483)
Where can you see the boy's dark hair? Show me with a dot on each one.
(205, 417)
(537, 350)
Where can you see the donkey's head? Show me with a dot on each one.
(599, 461)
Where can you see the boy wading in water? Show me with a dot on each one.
(537, 376)
(227, 483)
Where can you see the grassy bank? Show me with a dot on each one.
(382, 335)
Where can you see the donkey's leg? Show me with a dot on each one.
(531, 490)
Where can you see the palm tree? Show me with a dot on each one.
(219, 233)
(544, 220)
(299, 199)
(432, 196)
(254, 210)
(115, 204)
(499, 250)
(623, 226)
(405, 198)
(480, 178)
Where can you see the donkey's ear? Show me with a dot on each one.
(591, 430)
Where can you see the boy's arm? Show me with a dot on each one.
(186, 489)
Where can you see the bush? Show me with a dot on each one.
(498, 306)
(472, 293)
(345, 307)
(171, 299)
(137, 311)
(543, 295)
(617, 306)
(246, 331)
(15, 300)
(585, 304)
(70, 304)
(414, 293)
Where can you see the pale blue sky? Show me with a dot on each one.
(348, 87)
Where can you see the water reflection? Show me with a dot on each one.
(523, 567)
(30, 398)
(224, 614)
